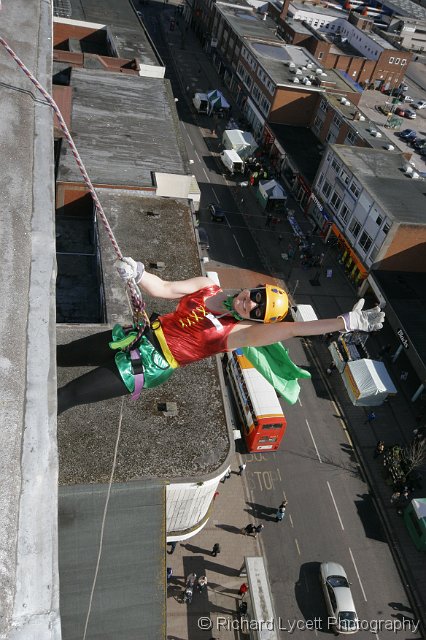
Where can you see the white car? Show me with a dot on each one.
(408, 99)
(419, 104)
(338, 598)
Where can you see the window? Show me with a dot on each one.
(335, 201)
(391, 60)
(351, 137)
(318, 123)
(397, 60)
(386, 229)
(355, 227)
(365, 241)
(374, 252)
(345, 178)
(403, 61)
(320, 55)
(344, 213)
(336, 166)
(355, 189)
(336, 120)
(326, 189)
(323, 105)
(320, 180)
(379, 220)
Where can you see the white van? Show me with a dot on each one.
(303, 312)
(232, 161)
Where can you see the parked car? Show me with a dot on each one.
(409, 113)
(338, 598)
(204, 238)
(216, 212)
(423, 151)
(419, 143)
(419, 104)
(400, 111)
(409, 135)
(408, 99)
(384, 109)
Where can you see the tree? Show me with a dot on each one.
(415, 454)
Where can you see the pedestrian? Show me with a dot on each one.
(215, 495)
(241, 468)
(248, 529)
(268, 220)
(169, 572)
(281, 511)
(380, 449)
(258, 529)
(395, 496)
(404, 375)
(371, 416)
(243, 590)
(226, 476)
(190, 581)
(172, 546)
(202, 583)
(330, 368)
(216, 549)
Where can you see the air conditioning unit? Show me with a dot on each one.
(308, 82)
(291, 65)
(296, 80)
(299, 72)
(309, 65)
(362, 118)
(389, 147)
(323, 75)
(318, 71)
(408, 169)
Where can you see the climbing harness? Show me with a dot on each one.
(140, 318)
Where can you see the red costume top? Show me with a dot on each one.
(192, 331)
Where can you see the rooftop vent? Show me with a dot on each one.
(323, 74)
(168, 409)
(389, 147)
(362, 118)
(157, 265)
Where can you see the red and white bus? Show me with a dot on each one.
(262, 421)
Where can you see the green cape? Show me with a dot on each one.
(274, 363)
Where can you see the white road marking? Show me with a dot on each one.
(215, 195)
(300, 402)
(238, 245)
(357, 573)
(199, 159)
(205, 173)
(315, 444)
(297, 546)
(227, 222)
(291, 521)
(335, 506)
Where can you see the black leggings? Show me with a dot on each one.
(100, 384)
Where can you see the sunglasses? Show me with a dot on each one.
(259, 297)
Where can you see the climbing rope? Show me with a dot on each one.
(140, 318)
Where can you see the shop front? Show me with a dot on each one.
(319, 217)
(302, 191)
(353, 266)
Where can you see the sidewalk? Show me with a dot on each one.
(221, 599)
(395, 419)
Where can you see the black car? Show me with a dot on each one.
(216, 212)
(419, 143)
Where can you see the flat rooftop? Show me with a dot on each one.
(247, 23)
(364, 128)
(381, 173)
(196, 442)
(125, 127)
(276, 58)
(128, 34)
(316, 8)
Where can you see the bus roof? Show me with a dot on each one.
(262, 393)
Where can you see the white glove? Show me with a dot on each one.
(129, 269)
(358, 320)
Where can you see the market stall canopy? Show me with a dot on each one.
(241, 141)
(367, 382)
(217, 100)
(272, 190)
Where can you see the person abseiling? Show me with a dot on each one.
(207, 321)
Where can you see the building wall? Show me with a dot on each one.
(406, 250)
(62, 32)
(293, 106)
(331, 127)
(188, 504)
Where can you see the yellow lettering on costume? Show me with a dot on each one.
(193, 318)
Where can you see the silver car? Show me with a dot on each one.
(338, 597)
